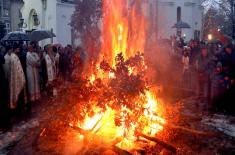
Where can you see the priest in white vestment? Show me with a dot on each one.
(32, 66)
(50, 64)
(15, 76)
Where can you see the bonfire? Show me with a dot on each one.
(120, 105)
(120, 108)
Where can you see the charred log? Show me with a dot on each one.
(160, 142)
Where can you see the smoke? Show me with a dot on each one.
(158, 60)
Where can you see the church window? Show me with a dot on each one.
(178, 14)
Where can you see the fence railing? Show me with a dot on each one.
(186, 81)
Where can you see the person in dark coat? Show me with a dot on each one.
(22, 56)
(2, 75)
(228, 60)
(4, 118)
(63, 63)
(203, 67)
(218, 85)
(69, 56)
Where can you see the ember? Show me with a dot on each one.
(120, 107)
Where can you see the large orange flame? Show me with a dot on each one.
(102, 124)
(124, 28)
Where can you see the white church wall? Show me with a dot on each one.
(63, 19)
(49, 20)
(57, 16)
(166, 19)
(50, 16)
(199, 16)
(191, 13)
(46, 15)
(54, 16)
(15, 15)
(29, 5)
(187, 16)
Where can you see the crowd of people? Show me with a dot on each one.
(214, 66)
(26, 70)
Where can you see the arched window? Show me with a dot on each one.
(178, 14)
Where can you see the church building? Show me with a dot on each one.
(54, 15)
(165, 13)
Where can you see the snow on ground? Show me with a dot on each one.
(9, 138)
(225, 124)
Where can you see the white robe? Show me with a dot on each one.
(33, 62)
(15, 76)
(50, 65)
(57, 60)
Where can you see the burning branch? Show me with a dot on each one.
(160, 142)
(121, 102)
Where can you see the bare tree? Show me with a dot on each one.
(222, 12)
